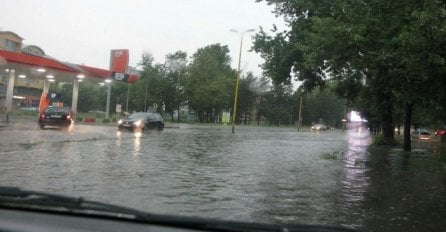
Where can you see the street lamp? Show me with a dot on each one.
(299, 122)
(107, 107)
(234, 112)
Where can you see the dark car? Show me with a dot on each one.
(142, 121)
(55, 116)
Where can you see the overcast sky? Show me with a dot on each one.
(84, 31)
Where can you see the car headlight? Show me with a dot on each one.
(120, 121)
(137, 123)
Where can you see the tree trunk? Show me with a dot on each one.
(387, 117)
(201, 116)
(407, 123)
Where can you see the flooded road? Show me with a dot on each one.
(257, 174)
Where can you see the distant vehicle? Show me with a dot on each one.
(142, 121)
(440, 132)
(422, 135)
(30, 108)
(96, 111)
(55, 116)
(319, 127)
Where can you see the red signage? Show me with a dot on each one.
(119, 60)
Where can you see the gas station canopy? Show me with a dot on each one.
(47, 67)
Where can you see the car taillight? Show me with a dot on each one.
(42, 116)
(68, 116)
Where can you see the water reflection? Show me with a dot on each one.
(137, 143)
(118, 138)
(70, 127)
(257, 174)
(356, 180)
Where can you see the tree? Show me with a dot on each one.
(250, 89)
(89, 97)
(323, 106)
(398, 47)
(176, 64)
(208, 83)
(277, 105)
(146, 91)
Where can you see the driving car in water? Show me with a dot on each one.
(142, 121)
(421, 135)
(55, 116)
(24, 210)
(318, 127)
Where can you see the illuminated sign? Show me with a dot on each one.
(120, 76)
(119, 60)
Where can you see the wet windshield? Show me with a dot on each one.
(269, 111)
(57, 110)
(138, 116)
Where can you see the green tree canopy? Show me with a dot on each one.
(396, 49)
(209, 81)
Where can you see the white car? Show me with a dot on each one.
(319, 127)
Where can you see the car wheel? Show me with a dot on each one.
(42, 127)
(160, 127)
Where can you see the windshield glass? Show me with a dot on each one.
(268, 111)
(138, 116)
(57, 110)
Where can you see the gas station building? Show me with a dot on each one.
(26, 73)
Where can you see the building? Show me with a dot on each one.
(27, 91)
(26, 74)
(10, 41)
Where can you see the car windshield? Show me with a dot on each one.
(57, 110)
(262, 111)
(138, 116)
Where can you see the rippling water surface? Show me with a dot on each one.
(257, 174)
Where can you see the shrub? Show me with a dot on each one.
(440, 150)
(382, 141)
(106, 120)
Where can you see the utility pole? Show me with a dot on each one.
(299, 123)
(234, 112)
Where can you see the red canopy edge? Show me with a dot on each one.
(38, 61)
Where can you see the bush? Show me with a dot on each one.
(89, 120)
(382, 141)
(440, 150)
(106, 120)
(79, 119)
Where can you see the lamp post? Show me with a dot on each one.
(234, 112)
(127, 98)
(299, 122)
(107, 107)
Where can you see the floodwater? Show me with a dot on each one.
(258, 174)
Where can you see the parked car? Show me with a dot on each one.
(440, 132)
(55, 116)
(142, 121)
(319, 127)
(421, 134)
